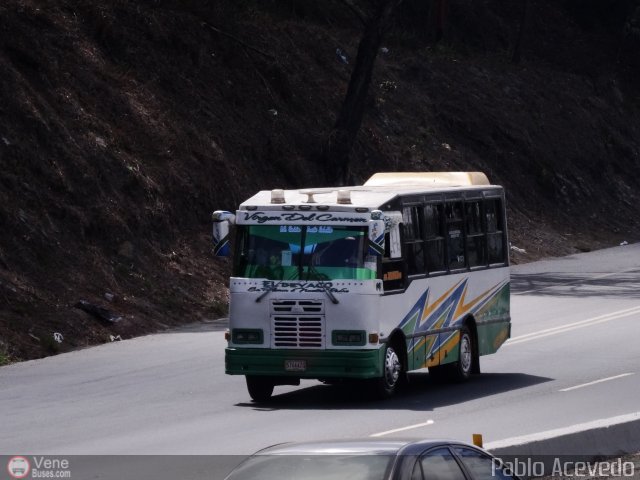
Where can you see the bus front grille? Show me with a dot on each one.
(303, 307)
(297, 324)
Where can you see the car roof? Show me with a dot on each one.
(362, 446)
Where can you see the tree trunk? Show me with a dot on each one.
(338, 148)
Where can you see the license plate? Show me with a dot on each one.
(295, 365)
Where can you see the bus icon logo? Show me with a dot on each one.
(18, 467)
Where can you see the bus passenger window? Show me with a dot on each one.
(495, 233)
(453, 212)
(456, 249)
(412, 218)
(473, 218)
(455, 235)
(496, 249)
(392, 275)
(476, 240)
(476, 249)
(492, 209)
(415, 258)
(434, 234)
(435, 256)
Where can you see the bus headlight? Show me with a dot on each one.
(247, 335)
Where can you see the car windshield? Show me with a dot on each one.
(303, 252)
(313, 467)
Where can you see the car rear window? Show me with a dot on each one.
(313, 467)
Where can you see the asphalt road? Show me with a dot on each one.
(573, 357)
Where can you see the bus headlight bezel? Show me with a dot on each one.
(243, 336)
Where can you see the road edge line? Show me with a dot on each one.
(584, 442)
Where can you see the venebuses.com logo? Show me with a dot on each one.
(18, 467)
(38, 467)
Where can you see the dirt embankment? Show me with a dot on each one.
(124, 124)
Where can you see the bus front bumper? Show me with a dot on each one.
(304, 363)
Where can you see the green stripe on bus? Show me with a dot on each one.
(319, 364)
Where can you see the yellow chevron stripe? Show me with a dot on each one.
(442, 319)
(463, 308)
(419, 344)
(438, 355)
(450, 343)
(427, 342)
(431, 308)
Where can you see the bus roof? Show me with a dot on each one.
(428, 179)
(376, 192)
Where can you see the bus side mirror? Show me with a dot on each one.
(221, 226)
(376, 237)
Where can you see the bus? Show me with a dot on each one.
(408, 271)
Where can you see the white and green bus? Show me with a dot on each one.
(406, 272)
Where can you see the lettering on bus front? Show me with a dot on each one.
(298, 287)
(288, 217)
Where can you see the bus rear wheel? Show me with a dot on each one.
(462, 369)
(260, 388)
(387, 384)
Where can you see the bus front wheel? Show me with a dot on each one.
(260, 388)
(391, 369)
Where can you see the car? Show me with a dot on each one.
(372, 459)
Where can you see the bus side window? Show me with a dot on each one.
(393, 265)
(476, 240)
(393, 275)
(414, 239)
(434, 234)
(495, 230)
(392, 243)
(455, 235)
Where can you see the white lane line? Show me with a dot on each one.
(595, 382)
(577, 281)
(573, 326)
(410, 427)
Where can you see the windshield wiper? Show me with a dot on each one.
(311, 269)
(326, 288)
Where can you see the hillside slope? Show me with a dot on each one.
(124, 124)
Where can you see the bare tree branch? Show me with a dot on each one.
(236, 39)
(337, 151)
(356, 11)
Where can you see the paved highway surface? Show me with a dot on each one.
(573, 357)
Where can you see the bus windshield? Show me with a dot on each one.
(303, 252)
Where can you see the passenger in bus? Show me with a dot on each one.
(268, 265)
(275, 267)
